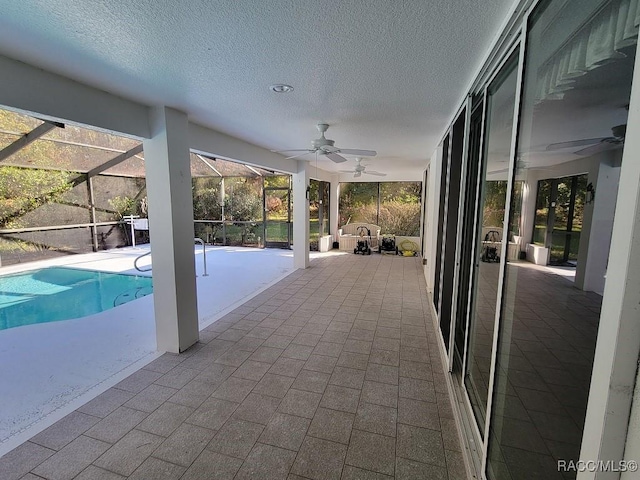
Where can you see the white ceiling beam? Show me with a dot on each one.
(54, 97)
(210, 142)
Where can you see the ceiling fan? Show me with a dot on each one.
(360, 169)
(325, 146)
(594, 145)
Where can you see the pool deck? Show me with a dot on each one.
(51, 369)
(333, 373)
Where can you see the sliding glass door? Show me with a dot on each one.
(487, 241)
(572, 112)
(524, 233)
(450, 227)
(467, 230)
(444, 175)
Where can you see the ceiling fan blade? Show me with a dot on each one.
(299, 155)
(603, 146)
(370, 172)
(335, 157)
(362, 153)
(574, 143)
(345, 171)
(329, 149)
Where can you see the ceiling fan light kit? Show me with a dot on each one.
(325, 146)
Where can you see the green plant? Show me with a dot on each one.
(243, 202)
(395, 206)
(24, 189)
(207, 201)
(11, 245)
(400, 218)
(494, 203)
(123, 206)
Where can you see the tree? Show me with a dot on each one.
(207, 199)
(494, 203)
(25, 189)
(243, 201)
(124, 206)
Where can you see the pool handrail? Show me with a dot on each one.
(135, 262)
(204, 255)
(197, 240)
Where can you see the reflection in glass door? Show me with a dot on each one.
(559, 216)
(277, 217)
(489, 218)
(575, 92)
(466, 231)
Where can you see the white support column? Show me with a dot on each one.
(528, 208)
(171, 227)
(334, 204)
(301, 216)
(597, 224)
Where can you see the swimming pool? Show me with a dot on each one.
(57, 293)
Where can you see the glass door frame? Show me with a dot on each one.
(514, 38)
(444, 222)
(469, 423)
(440, 224)
(468, 107)
(520, 47)
(268, 244)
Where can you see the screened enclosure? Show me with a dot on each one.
(394, 206)
(66, 189)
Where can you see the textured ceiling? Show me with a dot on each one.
(385, 74)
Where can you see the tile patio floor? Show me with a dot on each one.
(332, 373)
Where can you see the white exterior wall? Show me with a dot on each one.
(431, 217)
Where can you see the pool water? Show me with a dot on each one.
(56, 293)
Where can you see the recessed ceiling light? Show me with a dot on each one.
(281, 88)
